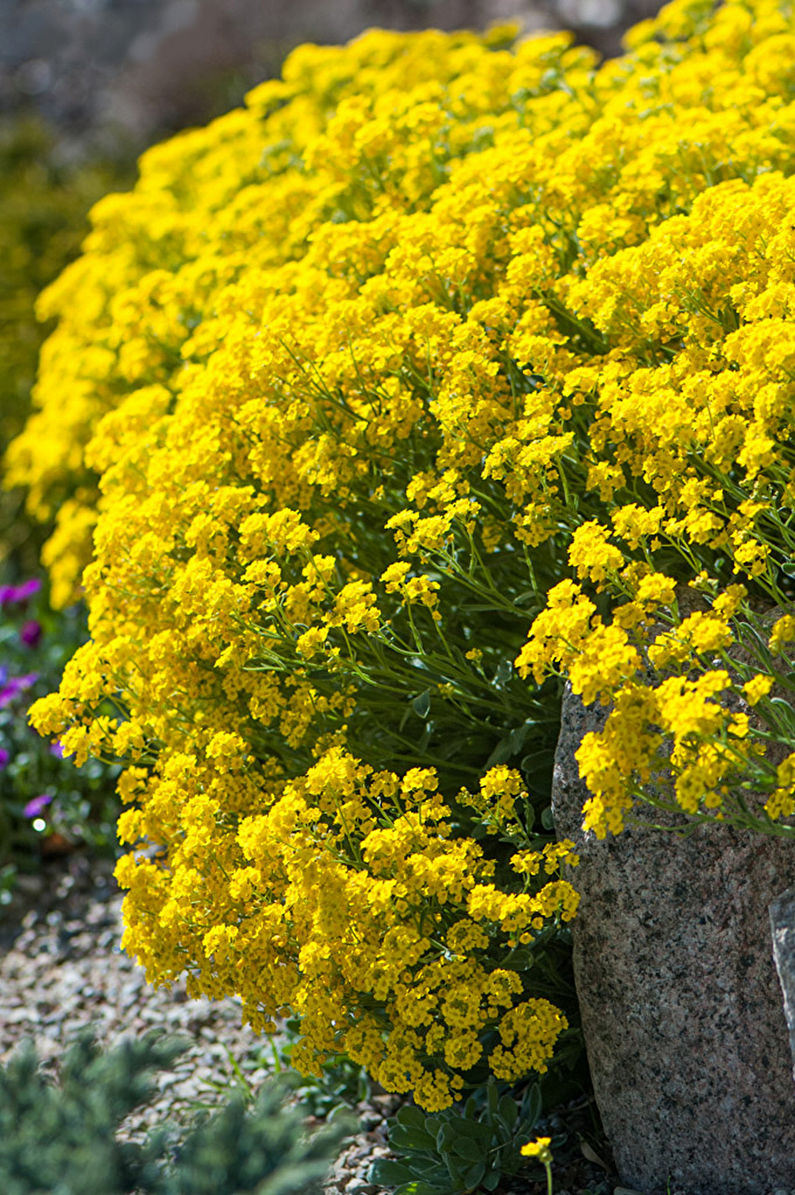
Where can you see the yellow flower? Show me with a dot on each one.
(592, 554)
(538, 1149)
(783, 632)
(757, 687)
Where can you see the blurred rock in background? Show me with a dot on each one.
(147, 67)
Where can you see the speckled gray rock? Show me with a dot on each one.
(782, 925)
(681, 1005)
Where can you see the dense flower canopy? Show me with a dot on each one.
(441, 338)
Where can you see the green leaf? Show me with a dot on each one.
(425, 738)
(532, 1104)
(445, 1137)
(466, 1148)
(492, 1180)
(474, 1176)
(492, 1097)
(409, 1137)
(522, 959)
(547, 820)
(410, 1114)
(455, 1168)
(385, 1172)
(420, 1188)
(471, 1129)
(783, 708)
(508, 1111)
(535, 761)
(422, 704)
(517, 737)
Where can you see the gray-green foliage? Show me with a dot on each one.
(61, 1138)
(461, 1149)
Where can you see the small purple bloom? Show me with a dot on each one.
(16, 685)
(11, 594)
(30, 634)
(37, 805)
(28, 588)
(4, 757)
(56, 749)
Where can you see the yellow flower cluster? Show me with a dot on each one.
(436, 325)
(392, 942)
(672, 708)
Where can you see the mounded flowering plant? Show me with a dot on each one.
(450, 366)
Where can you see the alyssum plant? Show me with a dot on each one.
(439, 372)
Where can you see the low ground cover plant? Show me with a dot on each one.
(450, 367)
(68, 1135)
(469, 1147)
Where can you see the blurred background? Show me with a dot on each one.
(141, 68)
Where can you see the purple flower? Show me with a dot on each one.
(28, 588)
(37, 805)
(4, 757)
(11, 594)
(56, 749)
(16, 685)
(30, 634)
